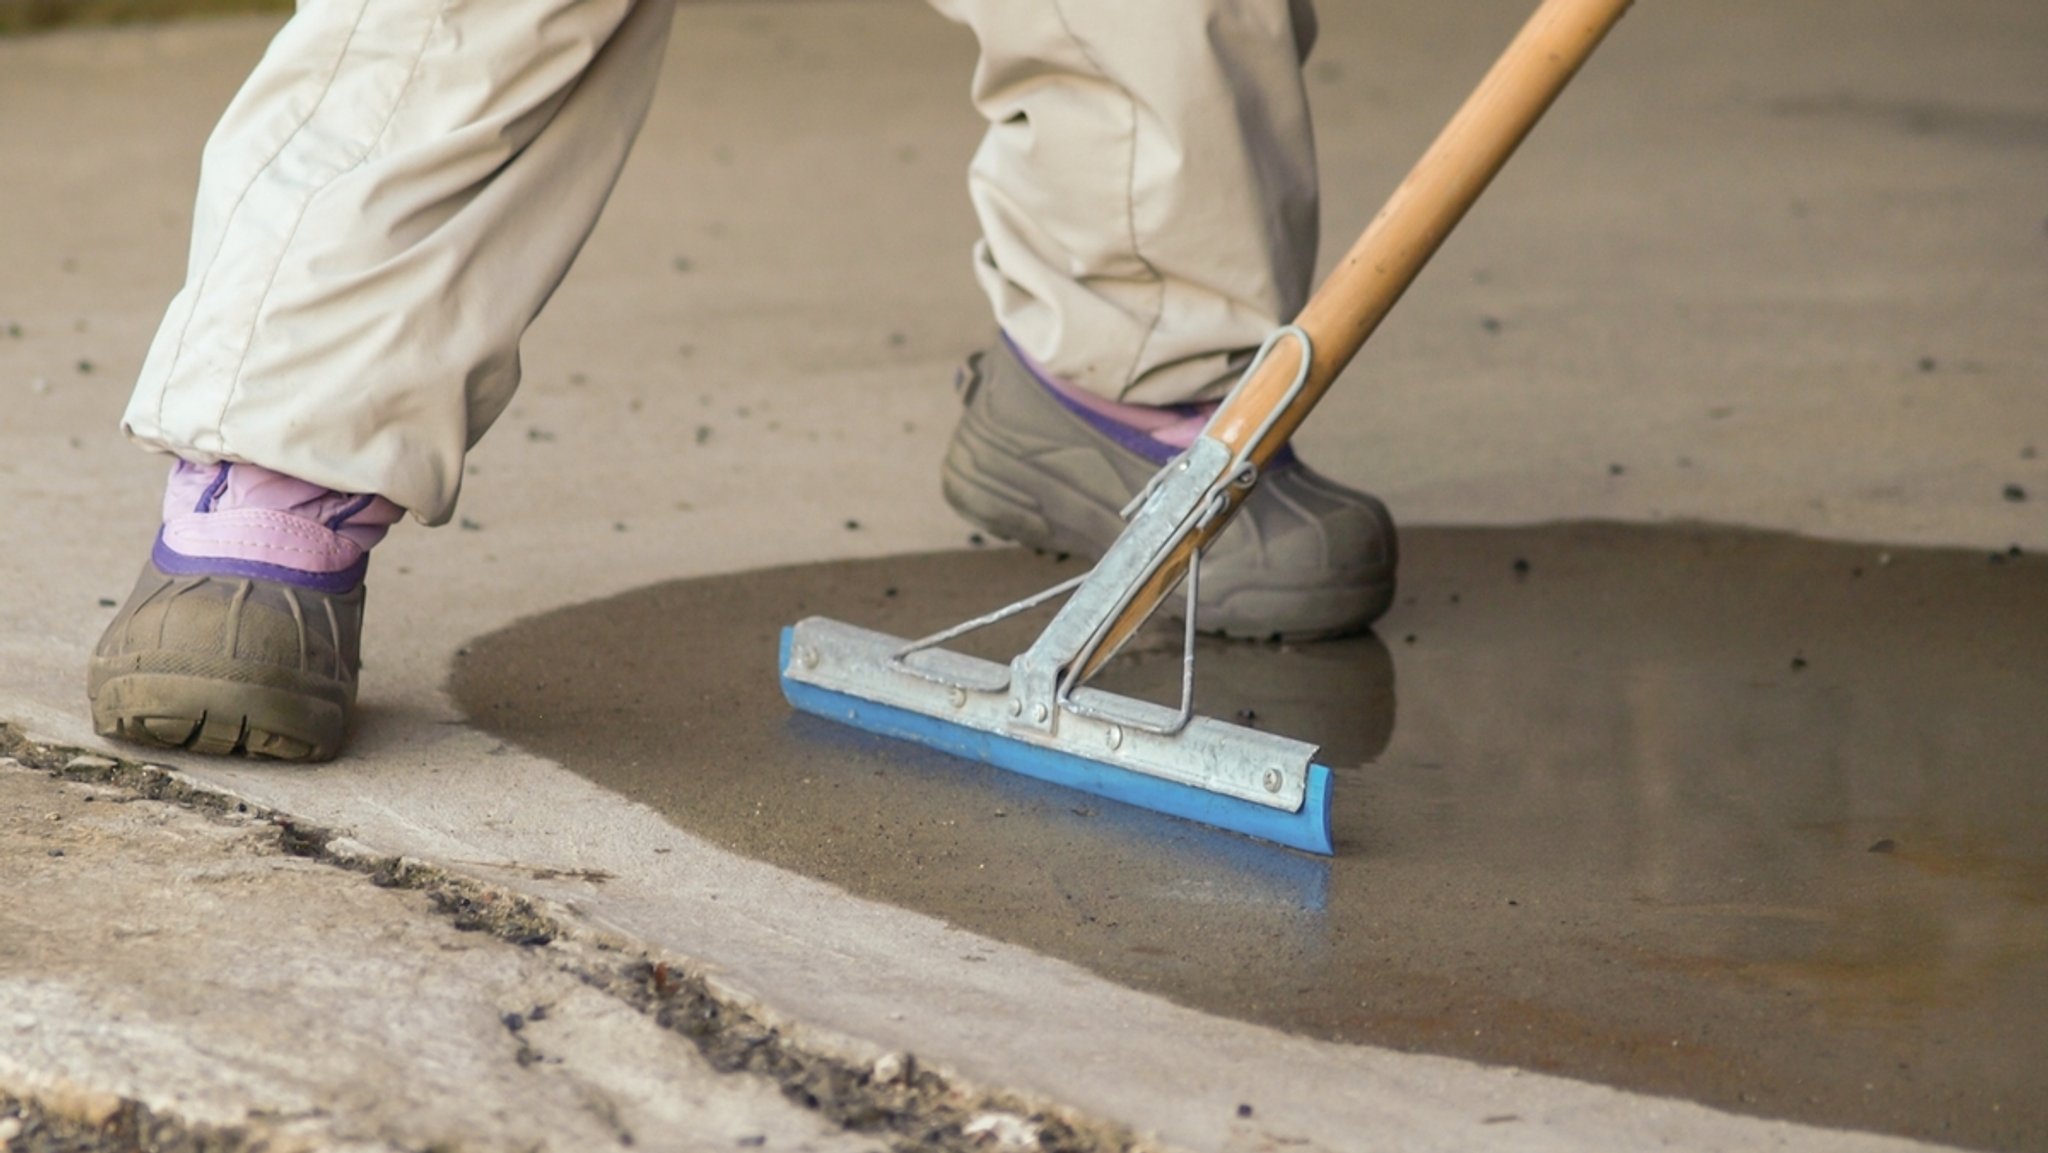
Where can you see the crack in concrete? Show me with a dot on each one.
(896, 1098)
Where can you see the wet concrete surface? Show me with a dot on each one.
(1740, 817)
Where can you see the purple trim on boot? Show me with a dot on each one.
(335, 522)
(175, 563)
(243, 520)
(213, 490)
(1127, 437)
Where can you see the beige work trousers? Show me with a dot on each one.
(399, 186)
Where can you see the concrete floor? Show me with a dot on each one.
(1744, 818)
(1782, 264)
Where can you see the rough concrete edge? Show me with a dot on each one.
(850, 1083)
(80, 1120)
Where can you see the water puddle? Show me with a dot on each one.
(1745, 818)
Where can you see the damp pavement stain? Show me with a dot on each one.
(1739, 817)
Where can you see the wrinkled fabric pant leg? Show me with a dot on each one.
(383, 209)
(1147, 185)
(398, 189)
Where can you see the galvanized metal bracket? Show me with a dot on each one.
(1263, 768)
(1040, 697)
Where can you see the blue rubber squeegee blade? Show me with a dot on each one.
(1307, 828)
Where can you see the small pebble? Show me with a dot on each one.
(108, 602)
(1003, 1130)
(852, 525)
(1884, 846)
(56, 852)
(2015, 493)
(1798, 663)
(1244, 1110)
(1616, 469)
(1521, 566)
(975, 539)
(888, 1069)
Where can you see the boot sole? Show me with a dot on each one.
(216, 717)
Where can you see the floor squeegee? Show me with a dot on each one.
(1037, 715)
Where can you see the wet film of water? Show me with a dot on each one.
(1745, 818)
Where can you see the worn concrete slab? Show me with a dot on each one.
(1781, 265)
(216, 979)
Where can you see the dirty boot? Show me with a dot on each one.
(1041, 464)
(243, 633)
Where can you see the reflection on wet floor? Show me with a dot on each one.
(1750, 819)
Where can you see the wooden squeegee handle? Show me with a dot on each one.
(1363, 287)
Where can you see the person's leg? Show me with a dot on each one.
(383, 209)
(1147, 186)
(1147, 195)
